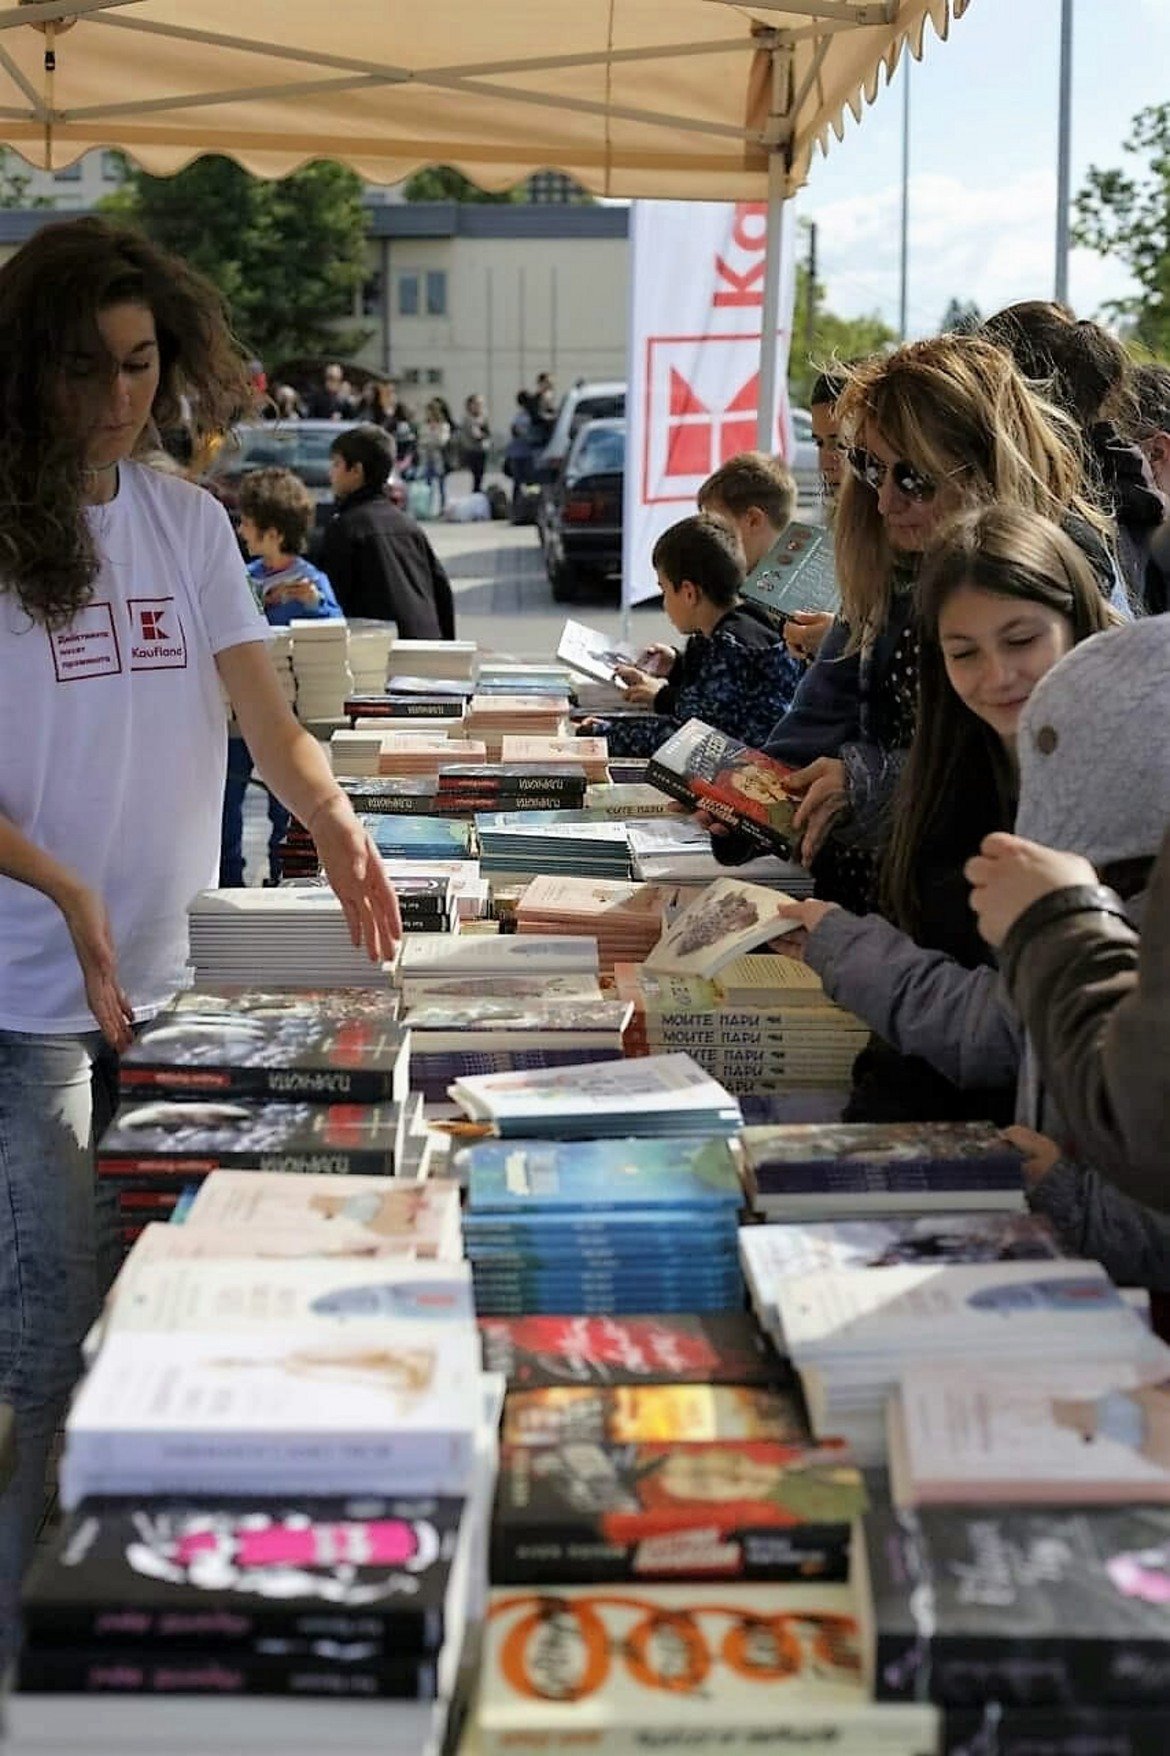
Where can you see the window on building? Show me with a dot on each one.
(437, 292)
(434, 374)
(410, 376)
(408, 291)
(372, 296)
(554, 188)
(71, 173)
(113, 167)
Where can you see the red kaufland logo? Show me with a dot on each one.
(157, 641)
(702, 394)
(151, 625)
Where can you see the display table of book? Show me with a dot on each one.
(496, 1367)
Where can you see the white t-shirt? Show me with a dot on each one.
(113, 746)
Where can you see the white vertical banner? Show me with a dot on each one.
(693, 380)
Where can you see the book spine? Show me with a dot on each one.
(579, 1554)
(354, 1085)
(1021, 1670)
(229, 1632)
(78, 1671)
(839, 1179)
(333, 1161)
(678, 787)
(402, 805)
(1055, 1731)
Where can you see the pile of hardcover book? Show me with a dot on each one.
(306, 1082)
(276, 1475)
(294, 936)
(510, 786)
(456, 1036)
(625, 919)
(602, 1225)
(665, 1524)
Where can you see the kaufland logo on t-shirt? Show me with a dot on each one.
(157, 640)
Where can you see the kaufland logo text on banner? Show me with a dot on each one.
(694, 362)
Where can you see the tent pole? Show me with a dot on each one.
(770, 314)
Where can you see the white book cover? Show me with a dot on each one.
(1062, 1430)
(768, 1252)
(500, 953)
(727, 920)
(1006, 1306)
(252, 1293)
(234, 1410)
(351, 1214)
(592, 653)
(648, 1082)
(426, 990)
(683, 1668)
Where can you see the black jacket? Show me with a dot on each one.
(380, 564)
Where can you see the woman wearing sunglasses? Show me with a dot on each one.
(936, 428)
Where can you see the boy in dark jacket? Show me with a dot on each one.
(734, 672)
(379, 560)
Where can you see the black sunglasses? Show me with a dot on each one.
(873, 472)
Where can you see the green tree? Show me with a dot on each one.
(1128, 217)
(961, 317)
(444, 183)
(833, 338)
(288, 256)
(16, 181)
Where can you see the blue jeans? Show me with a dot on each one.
(57, 1256)
(231, 841)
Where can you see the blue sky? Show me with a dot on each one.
(983, 160)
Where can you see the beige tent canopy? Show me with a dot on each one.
(687, 98)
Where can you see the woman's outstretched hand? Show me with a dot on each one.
(88, 921)
(358, 878)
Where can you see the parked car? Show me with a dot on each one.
(600, 401)
(300, 446)
(583, 534)
(805, 462)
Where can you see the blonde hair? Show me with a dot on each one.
(958, 410)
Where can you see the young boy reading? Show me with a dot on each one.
(276, 517)
(733, 673)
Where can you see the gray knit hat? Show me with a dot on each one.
(1094, 747)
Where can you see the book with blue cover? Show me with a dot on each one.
(440, 838)
(511, 1177)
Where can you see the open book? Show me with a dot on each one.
(592, 653)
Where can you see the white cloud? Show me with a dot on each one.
(993, 244)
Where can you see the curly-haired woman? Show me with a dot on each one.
(123, 607)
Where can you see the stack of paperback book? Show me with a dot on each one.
(626, 920)
(782, 1036)
(290, 937)
(320, 655)
(847, 1170)
(510, 786)
(369, 653)
(482, 963)
(427, 903)
(425, 752)
(658, 1095)
(851, 1333)
(575, 843)
(1032, 1629)
(522, 678)
(591, 753)
(632, 799)
(813, 1246)
(431, 658)
(280, 651)
(354, 754)
(484, 1034)
(602, 1225)
(422, 838)
(495, 717)
(410, 795)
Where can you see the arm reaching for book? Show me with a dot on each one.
(642, 688)
(88, 923)
(293, 764)
(823, 794)
(1009, 874)
(804, 630)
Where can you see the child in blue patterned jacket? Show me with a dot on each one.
(734, 672)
